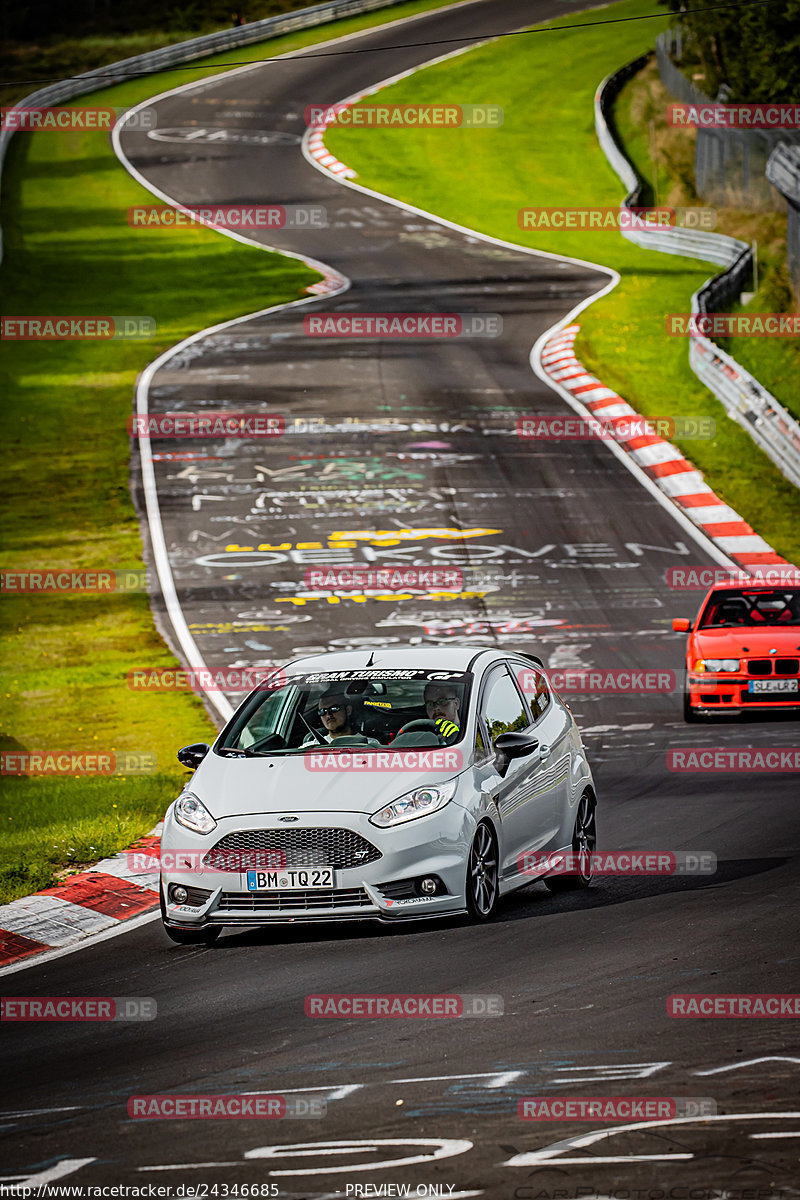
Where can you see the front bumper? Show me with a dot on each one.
(726, 692)
(430, 846)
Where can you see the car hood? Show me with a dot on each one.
(231, 787)
(731, 643)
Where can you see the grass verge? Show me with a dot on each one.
(546, 154)
(68, 250)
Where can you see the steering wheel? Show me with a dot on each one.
(418, 726)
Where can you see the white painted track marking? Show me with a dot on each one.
(552, 1154)
(443, 1148)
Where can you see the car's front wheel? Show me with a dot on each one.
(483, 888)
(584, 843)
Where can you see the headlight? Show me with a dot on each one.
(192, 813)
(415, 804)
(717, 664)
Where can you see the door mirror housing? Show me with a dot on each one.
(192, 756)
(681, 624)
(513, 745)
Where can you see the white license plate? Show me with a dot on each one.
(773, 685)
(303, 877)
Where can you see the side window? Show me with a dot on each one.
(537, 693)
(481, 753)
(502, 708)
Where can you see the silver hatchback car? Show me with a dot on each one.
(394, 785)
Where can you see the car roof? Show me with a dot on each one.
(447, 658)
(756, 585)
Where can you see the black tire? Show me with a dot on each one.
(483, 874)
(690, 715)
(584, 842)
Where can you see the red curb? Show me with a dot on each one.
(675, 466)
(560, 344)
(14, 946)
(104, 894)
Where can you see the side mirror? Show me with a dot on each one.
(513, 745)
(192, 756)
(681, 624)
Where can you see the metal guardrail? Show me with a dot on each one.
(180, 52)
(783, 172)
(729, 164)
(745, 400)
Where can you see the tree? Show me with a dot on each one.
(753, 49)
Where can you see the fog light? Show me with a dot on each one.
(428, 887)
(180, 894)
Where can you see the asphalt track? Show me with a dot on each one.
(579, 558)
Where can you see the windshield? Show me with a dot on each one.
(752, 609)
(334, 710)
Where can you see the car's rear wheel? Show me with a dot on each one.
(584, 843)
(483, 888)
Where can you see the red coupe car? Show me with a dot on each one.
(743, 651)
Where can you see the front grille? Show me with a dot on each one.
(322, 898)
(759, 666)
(340, 848)
(787, 666)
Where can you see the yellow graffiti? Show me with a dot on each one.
(362, 598)
(393, 537)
